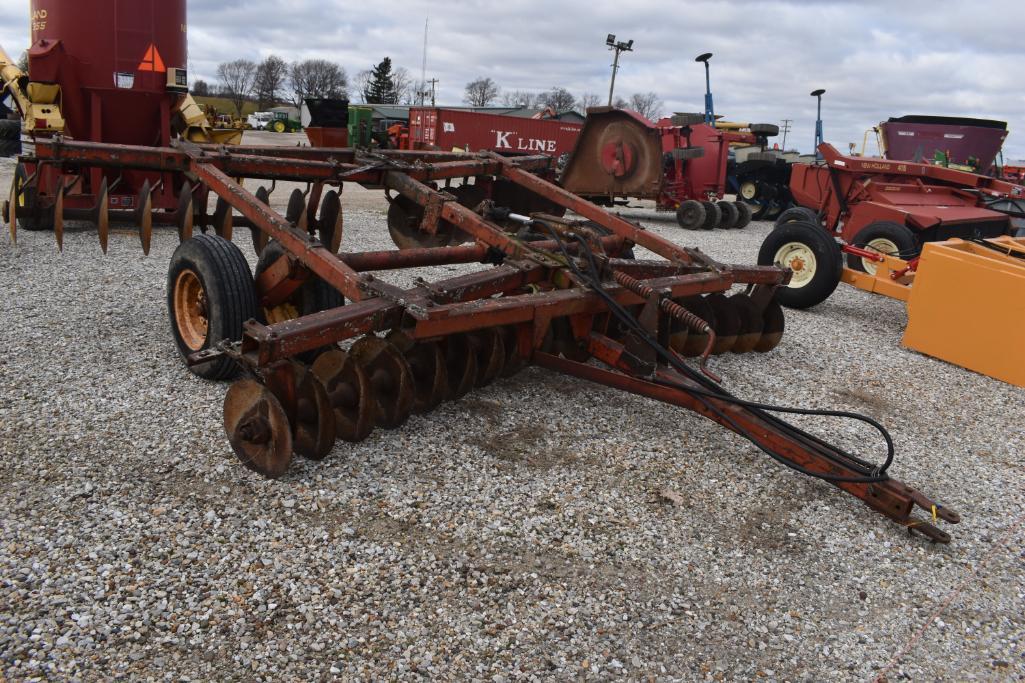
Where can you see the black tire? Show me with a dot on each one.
(688, 153)
(313, 296)
(10, 148)
(31, 216)
(758, 209)
(821, 274)
(230, 298)
(10, 129)
(729, 215)
(744, 215)
(691, 215)
(767, 129)
(762, 156)
(900, 236)
(796, 214)
(713, 216)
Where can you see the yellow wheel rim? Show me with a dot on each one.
(879, 245)
(190, 310)
(279, 127)
(799, 258)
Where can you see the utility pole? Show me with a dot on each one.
(434, 82)
(786, 129)
(618, 47)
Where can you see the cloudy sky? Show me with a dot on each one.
(875, 59)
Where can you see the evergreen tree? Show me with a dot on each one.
(381, 89)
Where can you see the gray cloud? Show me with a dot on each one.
(875, 59)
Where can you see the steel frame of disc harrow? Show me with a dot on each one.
(528, 288)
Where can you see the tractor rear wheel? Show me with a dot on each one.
(691, 215)
(279, 126)
(813, 256)
(713, 216)
(885, 237)
(730, 215)
(210, 296)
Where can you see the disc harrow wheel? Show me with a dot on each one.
(257, 428)
(751, 323)
(349, 393)
(391, 380)
(460, 365)
(430, 374)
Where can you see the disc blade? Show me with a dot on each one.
(696, 341)
(313, 431)
(430, 377)
(391, 380)
(404, 218)
(145, 217)
(331, 222)
(295, 213)
(58, 219)
(12, 212)
(186, 213)
(750, 323)
(514, 362)
(774, 324)
(223, 219)
(260, 238)
(489, 348)
(349, 393)
(102, 213)
(257, 428)
(726, 325)
(460, 365)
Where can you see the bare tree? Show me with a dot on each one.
(481, 92)
(519, 98)
(558, 99)
(405, 88)
(200, 88)
(362, 84)
(317, 78)
(271, 75)
(237, 79)
(620, 103)
(647, 105)
(23, 62)
(588, 100)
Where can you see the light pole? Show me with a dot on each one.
(709, 107)
(618, 47)
(818, 121)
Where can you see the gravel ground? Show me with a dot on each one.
(516, 534)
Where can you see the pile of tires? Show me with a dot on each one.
(10, 137)
(706, 215)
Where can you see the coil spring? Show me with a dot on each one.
(668, 306)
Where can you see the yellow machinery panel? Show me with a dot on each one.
(967, 306)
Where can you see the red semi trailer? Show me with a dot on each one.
(448, 129)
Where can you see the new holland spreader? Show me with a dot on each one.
(322, 346)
